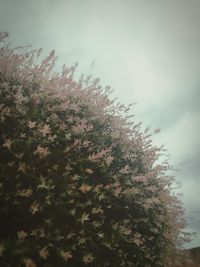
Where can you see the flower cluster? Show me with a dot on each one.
(79, 183)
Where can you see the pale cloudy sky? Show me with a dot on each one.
(147, 50)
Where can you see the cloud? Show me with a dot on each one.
(182, 139)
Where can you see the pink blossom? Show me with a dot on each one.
(42, 151)
(109, 160)
(44, 253)
(29, 263)
(66, 255)
(34, 207)
(7, 143)
(22, 167)
(21, 234)
(85, 188)
(99, 155)
(31, 124)
(89, 171)
(45, 130)
(88, 258)
(125, 170)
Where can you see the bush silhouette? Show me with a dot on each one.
(79, 181)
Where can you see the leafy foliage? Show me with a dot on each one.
(79, 182)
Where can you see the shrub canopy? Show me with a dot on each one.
(80, 183)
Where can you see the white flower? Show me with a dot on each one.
(109, 160)
(44, 253)
(96, 224)
(66, 255)
(89, 171)
(42, 151)
(81, 241)
(117, 191)
(20, 98)
(137, 239)
(7, 143)
(88, 258)
(52, 138)
(31, 124)
(97, 210)
(62, 126)
(19, 156)
(6, 111)
(43, 184)
(22, 167)
(85, 143)
(21, 234)
(84, 217)
(22, 135)
(101, 235)
(85, 188)
(75, 177)
(45, 130)
(25, 192)
(72, 212)
(29, 263)
(125, 170)
(99, 155)
(34, 207)
(67, 149)
(125, 230)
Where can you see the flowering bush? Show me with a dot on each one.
(79, 182)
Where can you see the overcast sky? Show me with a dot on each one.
(148, 51)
